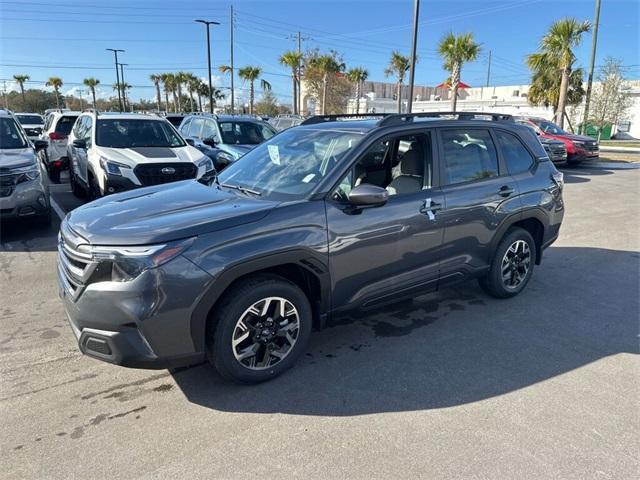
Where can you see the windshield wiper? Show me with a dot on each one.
(241, 188)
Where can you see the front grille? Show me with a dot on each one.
(74, 266)
(159, 173)
(7, 183)
(591, 146)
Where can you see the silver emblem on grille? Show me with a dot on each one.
(168, 170)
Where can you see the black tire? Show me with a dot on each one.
(94, 189)
(77, 189)
(54, 175)
(493, 282)
(230, 310)
(45, 220)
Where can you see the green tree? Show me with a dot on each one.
(545, 82)
(609, 102)
(327, 66)
(169, 82)
(456, 50)
(21, 79)
(268, 105)
(398, 66)
(156, 78)
(191, 83)
(325, 81)
(292, 60)
(356, 76)
(251, 74)
(181, 79)
(56, 83)
(91, 83)
(556, 53)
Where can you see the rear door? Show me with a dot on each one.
(479, 193)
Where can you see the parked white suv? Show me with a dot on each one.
(57, 126)
(111, 153)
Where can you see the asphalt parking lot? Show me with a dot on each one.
(451, 385)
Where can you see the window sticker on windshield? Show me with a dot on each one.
(274, 154)
(308, 178)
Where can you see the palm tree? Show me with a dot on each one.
(181, 79)
(156, 78)
(292, 60)
(251, 74)
(357, 76)
(92, 83)
(170, 84)
(123, 87)
(226, 69)
(399, 66)
(455, 51)
(56, 83)
(556, 50)
(328, 66)
(21, 79)
(192, 83)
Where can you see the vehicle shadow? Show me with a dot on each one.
(453, 347)
(581, 173)
(28, 235)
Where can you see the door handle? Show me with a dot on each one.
(429, 208)
(505, 191)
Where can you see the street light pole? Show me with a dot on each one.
(124, 93)
(231, 20)
(207, 23)
(115, 52)
(594, 44)
(412, 75)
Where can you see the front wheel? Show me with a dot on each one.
(94, 189)
(76, 188)
(512, 265)
(262, 326)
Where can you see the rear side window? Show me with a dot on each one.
(469, 155)
(516, 156)
(65, 124)
(209, 131)
(196, 127)
(184, 127)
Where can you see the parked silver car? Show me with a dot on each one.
(24, 190)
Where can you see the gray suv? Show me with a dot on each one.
(334, 215)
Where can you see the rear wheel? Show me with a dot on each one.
(261, 328)
(512, 265)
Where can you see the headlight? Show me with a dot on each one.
(111, 167)
(578, 144)
(27, 174)
(226, 157)
(129, 262)
(205, 163)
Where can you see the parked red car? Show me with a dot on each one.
(579, 147)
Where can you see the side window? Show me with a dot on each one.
(468, 155)
(516, 156)
(209, 131)
(87, 131)
(267, 132)
(196, 127)
(184, 128)
(77, 128)
(402, 165)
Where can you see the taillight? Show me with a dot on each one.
(57, 136)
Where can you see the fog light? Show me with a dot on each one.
(111, 189)
(26, 211)
(42, 201)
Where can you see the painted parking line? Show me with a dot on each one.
(56, 208)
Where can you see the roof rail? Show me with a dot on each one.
(400, 118)
(332, 118)
(204, 114)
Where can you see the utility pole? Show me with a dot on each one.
(298, 38)
(115, 52)
(207, 23)
(489, 69)
(414, 42)
(124, 93)
(594, 44)
(231, 23)
(4, 94)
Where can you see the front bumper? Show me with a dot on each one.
(27, 199)
(143, 323)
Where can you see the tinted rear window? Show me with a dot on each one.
(30, 119)
(175, 121)
(65, 124)
(469, 155)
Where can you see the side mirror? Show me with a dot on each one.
(366, 195)
(40, 145)
(190, 141)
(77, 143)
(210, 141)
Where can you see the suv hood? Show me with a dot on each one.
(22, 157)
(236, 150)
(163, 213)
(137, 155)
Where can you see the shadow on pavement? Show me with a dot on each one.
(582, 173)
(27, 235)
(453, 347)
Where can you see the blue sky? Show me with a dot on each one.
(42, 38)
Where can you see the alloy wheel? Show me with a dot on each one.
(515, 264)
(265, 333)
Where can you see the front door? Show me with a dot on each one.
(382, 253)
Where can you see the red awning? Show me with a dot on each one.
(446, 85)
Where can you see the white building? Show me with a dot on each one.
(511, 99)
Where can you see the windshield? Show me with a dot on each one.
(131, 133)
(11, 135)
(548, 127)
(291, 164)
(245, 133)
(30, 119)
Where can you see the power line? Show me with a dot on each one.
(199, 8)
